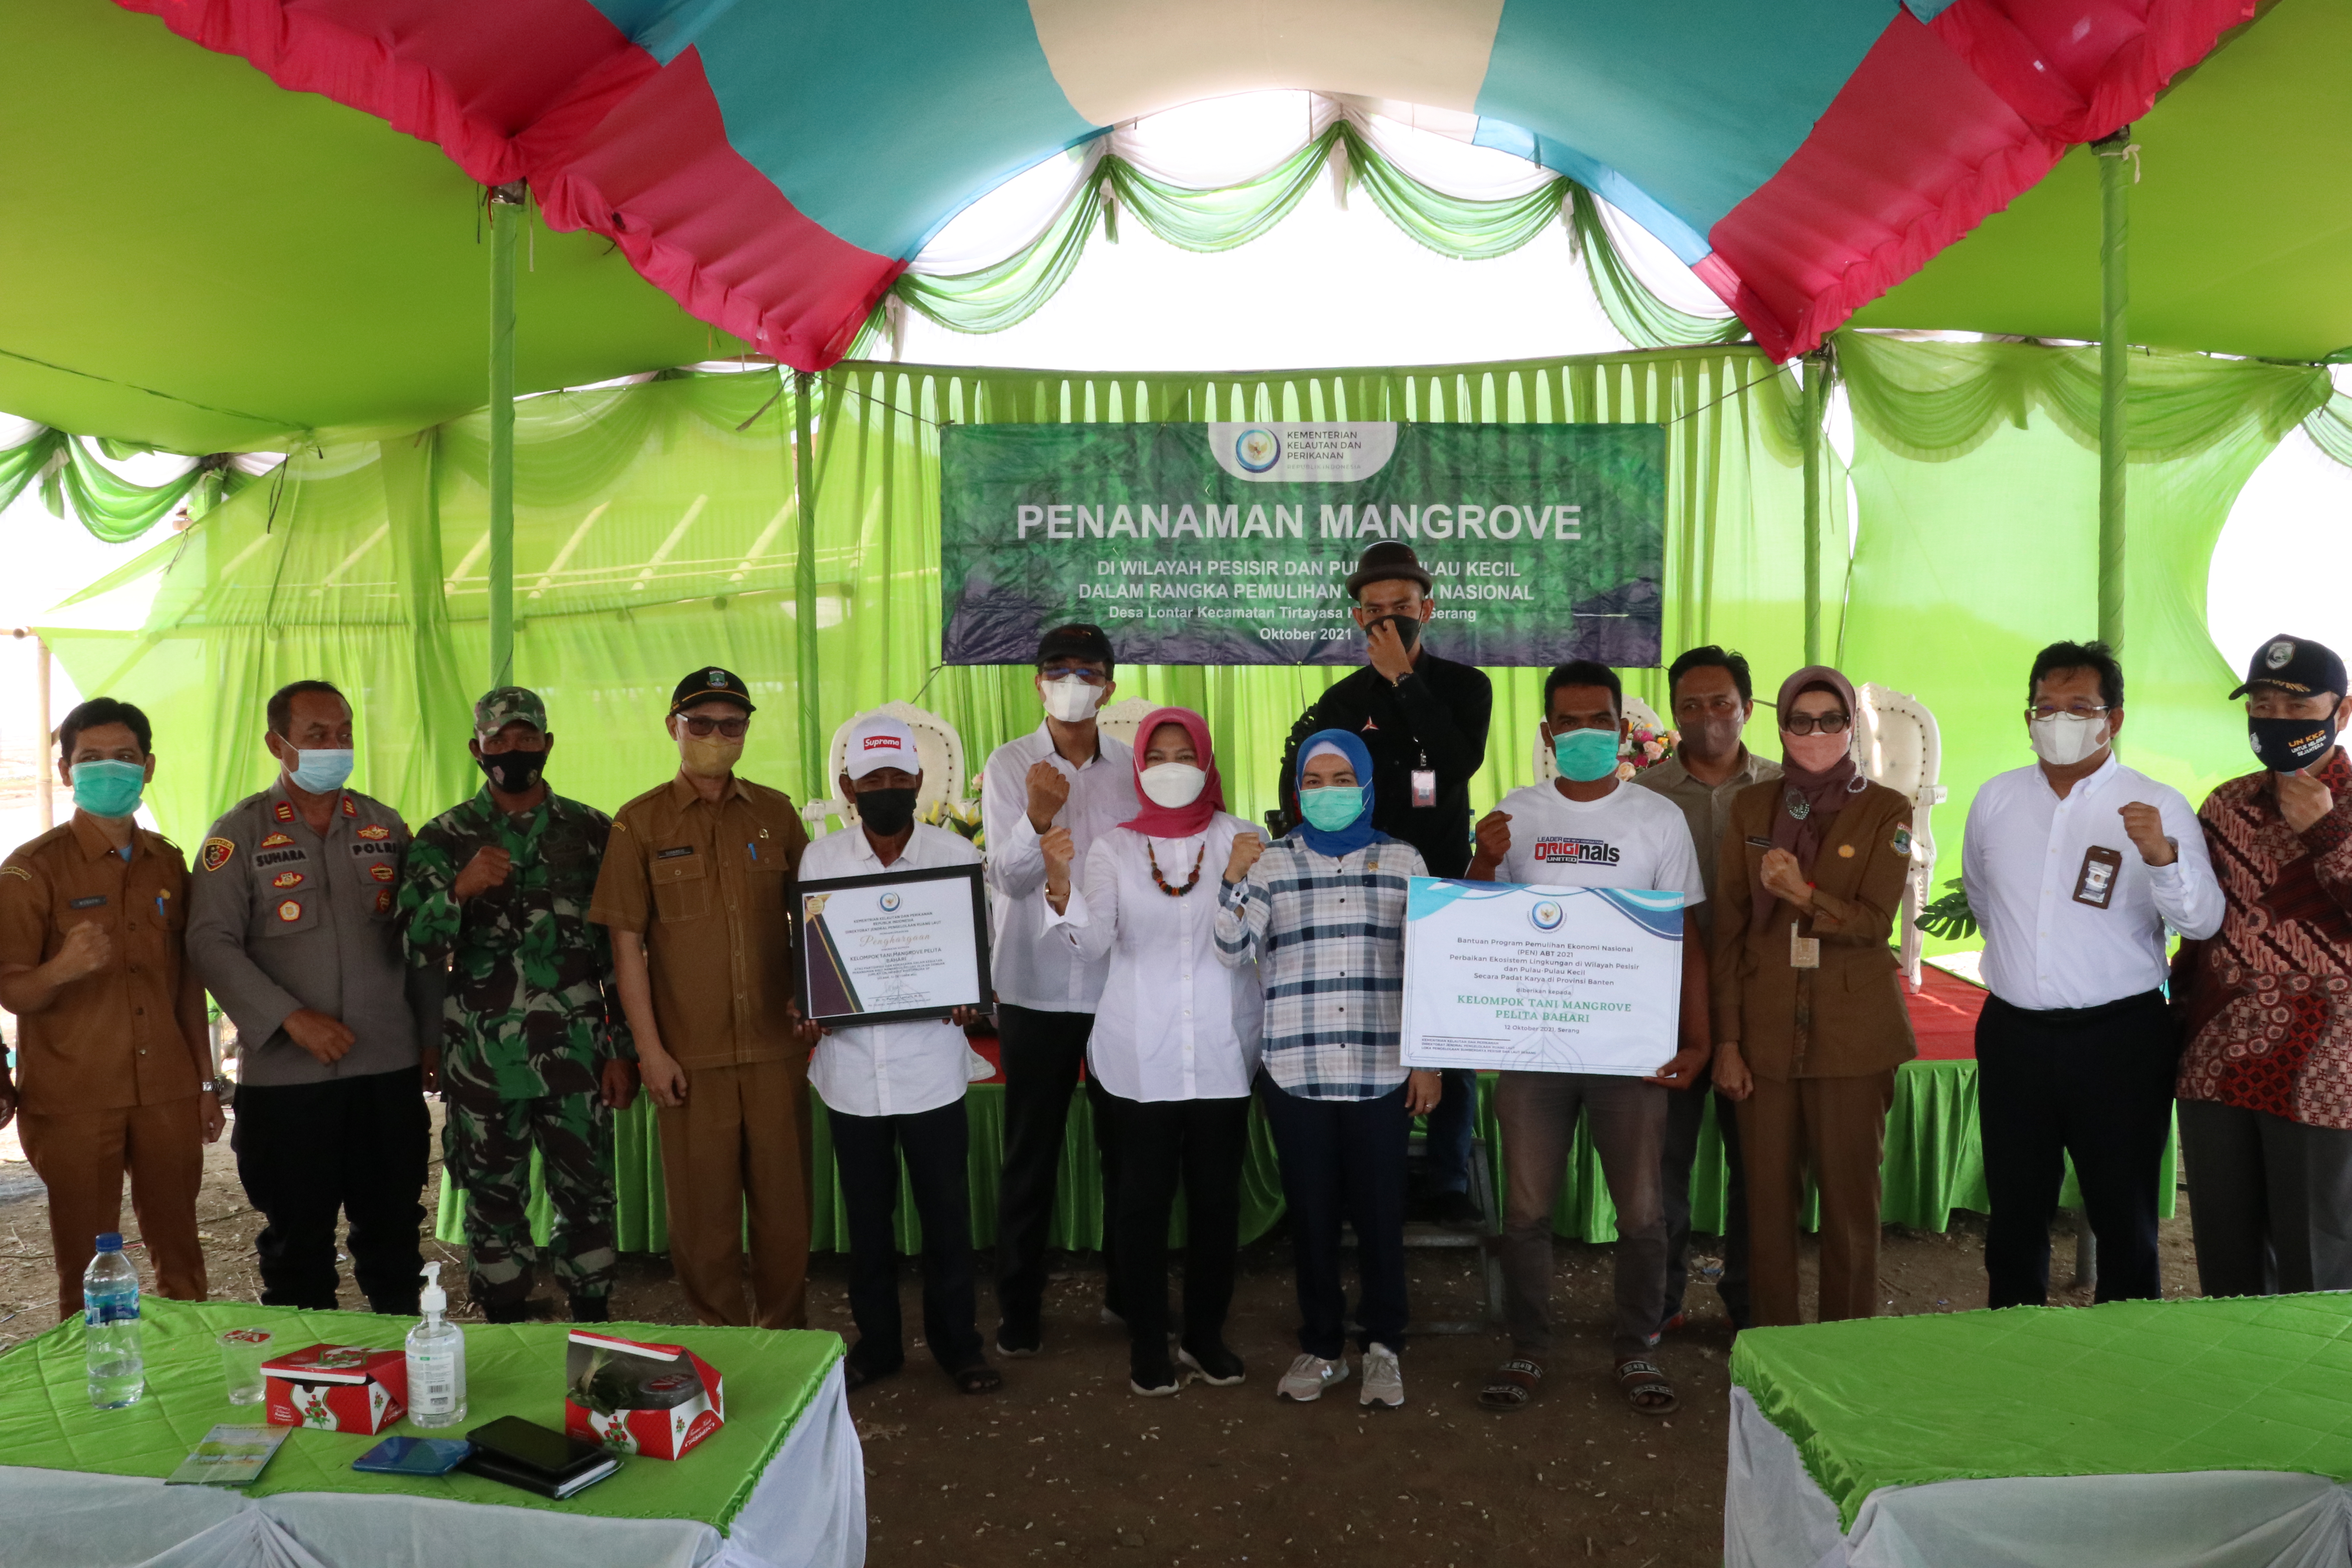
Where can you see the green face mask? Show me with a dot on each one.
(1585, 755)
(109, 788)
(1332, 808)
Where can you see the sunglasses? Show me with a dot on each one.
(1805, 724)
(700, 726)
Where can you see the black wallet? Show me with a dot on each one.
(524, 1454)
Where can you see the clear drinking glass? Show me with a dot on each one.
(242, 1353)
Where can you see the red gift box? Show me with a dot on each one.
(655, 1400)
(337, 1388)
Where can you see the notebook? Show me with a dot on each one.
(228, 1457)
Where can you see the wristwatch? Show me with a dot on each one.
(210, 1085)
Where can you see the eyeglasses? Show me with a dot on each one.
(2044, 710)
(1085, 673)
(700, 726)
(1806, 724)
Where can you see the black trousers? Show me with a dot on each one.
(1198, 1142)
(2091, 1082)
(1686, 1110)
(1042, 1053)
(2270, 1201)
(358, 1145)
(937, 1145)
(1343, 1159)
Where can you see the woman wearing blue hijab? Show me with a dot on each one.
(1322, 913)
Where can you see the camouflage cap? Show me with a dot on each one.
(498, 708)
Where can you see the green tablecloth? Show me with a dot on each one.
(1934, 1164)
(46, 1421)
(2129, 1388)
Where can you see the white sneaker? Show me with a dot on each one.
(1309, 1377)
(1383, 1379)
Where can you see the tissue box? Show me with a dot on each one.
(337, 1388)
(655, 1400)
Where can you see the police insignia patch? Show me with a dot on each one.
(384, 900)
(275, 841)
(1901, 841)
(375, 830)
(215, 853)
(15, 871)
(287, 879)
(382, 871)
(285, 813)
(290, 910)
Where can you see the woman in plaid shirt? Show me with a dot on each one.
(1322, 913)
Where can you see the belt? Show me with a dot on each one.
(2062, 1017)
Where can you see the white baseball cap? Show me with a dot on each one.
(878, 740)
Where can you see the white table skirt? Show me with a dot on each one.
(808, 1511)
(1775, 1516)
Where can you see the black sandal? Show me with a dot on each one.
(1646, 1388)
(980, 1378)
(1511, 1387)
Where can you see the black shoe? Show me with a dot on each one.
(1212, 1364)
(1155, 1380)
(505, 1311)
(1018, 1342)
(1455, 1211)
(854, 1377)
(591, 1309)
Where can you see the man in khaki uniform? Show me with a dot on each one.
(695, 890)
(111, 1044)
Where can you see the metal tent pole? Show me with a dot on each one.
(812, 757)
(507, 215)
(2115, 375)
(44, 768)
(1816, 374)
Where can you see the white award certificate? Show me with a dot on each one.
(893, 946)
(1541, 979)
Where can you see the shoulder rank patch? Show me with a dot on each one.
(276, 841)
(290, 910)
(284, 812)
(15, 871)
(287, 879)
(383, 871)
(373, 829)
(351, 807)
(214, 854)
(1902, 845)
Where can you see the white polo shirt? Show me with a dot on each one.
(1629, 837)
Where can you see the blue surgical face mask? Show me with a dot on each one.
(1585, 755)
(109, 788)
(1332, 808)
(322, 771)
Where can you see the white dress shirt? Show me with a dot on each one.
(1030, 968)
(891, 1070)
(1175, 1021)
(2024, 859)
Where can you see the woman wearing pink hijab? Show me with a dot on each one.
(1175, 1042)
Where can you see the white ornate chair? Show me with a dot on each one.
(1644, 716)
(1900, 747)
(1122, 718)
(936, 746)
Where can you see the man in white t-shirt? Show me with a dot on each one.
(1588, 830)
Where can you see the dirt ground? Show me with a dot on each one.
(1066, 1465)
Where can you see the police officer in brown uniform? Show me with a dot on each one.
(294, 929)
(696, 890)
(112, 1044)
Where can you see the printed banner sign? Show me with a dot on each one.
(1232, 543)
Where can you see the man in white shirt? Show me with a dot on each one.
(2075, 867)
(893, 1089)
(1066, 773)
(1587, 830)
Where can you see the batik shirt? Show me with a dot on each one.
(2270, 1006)
(1328, 938)
(530, 1008)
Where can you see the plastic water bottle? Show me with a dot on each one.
(110, 1317)
(436, 1360)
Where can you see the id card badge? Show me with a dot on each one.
(1804, 951)
(1425, 786)
(2095, 884)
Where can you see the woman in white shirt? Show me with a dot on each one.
(1175, 1041)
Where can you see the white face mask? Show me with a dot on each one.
(1070, 698)
(2062, 739)
(1174, 784)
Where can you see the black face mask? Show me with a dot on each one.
(1407, 628)
(2290, 745)
(513, 772)
(888, 812)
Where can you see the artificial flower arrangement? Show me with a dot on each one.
(1645, 748)
(959, 817)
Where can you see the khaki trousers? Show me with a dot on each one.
(737, 1152)
(1836, 1127)
(82, 1157)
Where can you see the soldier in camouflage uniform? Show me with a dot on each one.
(535, 1049)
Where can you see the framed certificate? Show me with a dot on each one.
(1541, 979)
(893, 946)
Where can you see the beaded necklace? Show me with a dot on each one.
(1194, 882)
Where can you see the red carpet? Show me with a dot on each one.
(1944, 1016)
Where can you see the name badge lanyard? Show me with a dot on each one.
(1425, 778)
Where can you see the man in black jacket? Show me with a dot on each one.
(1423, 719)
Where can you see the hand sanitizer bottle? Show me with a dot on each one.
(436, 1360)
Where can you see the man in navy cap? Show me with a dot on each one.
(695, 888)
(1424, 719)
(2265, 1083)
